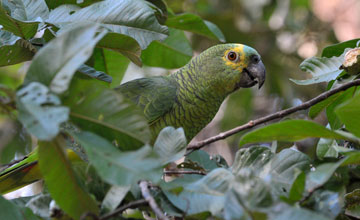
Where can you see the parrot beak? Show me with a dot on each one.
(253, 74)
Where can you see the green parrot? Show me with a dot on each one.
(188, 98)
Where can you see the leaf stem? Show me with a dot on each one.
(176, 172)
(134, 204)
(280, 114)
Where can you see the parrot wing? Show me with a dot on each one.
(155, 95)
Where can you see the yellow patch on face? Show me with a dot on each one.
(239, 63)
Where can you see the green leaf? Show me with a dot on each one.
(14, 49)
(322, 69)
(283, 169)
(296, 213)
(54, 4)
(204, 195)
(174, 52)
(338, 49)
(254, 157)
(349, 114)
(327, 148)
(353, 203)
(321, 175)
(298, 187)
(118, 17)
(40, 111)
(315, 110)
(106, 112)
(13, 212)
(170, 144)
(61, 180)
(112, 63)
(93, 73)
(29, 10)
(74, 46)
(290, 130)
(120, 168)
(14, 140)
(123, 44)
(193, 23)
(333, 119)
(25, 30)
(200, 160)
(114, 197)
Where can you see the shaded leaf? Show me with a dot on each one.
(349, 114)
(298, 187)
(106, 112)
(11, 211)
(29, 10)
(25, 30)
(322, 69)
(204, 195)
(352, 201)
(123, 17)
(170, 144)
(75, 45)
(114, 197)
(290, 130)
(123, 44)
(338, 49)
(174, 52)
(120, 168)
(195, 24)
(57, 172)
(254, 157)
(40, 111)
(111, 62)
(321, 175)
(14, 49)
(315, 110)
(328, 203)
(40, 205)
(54, 4)
(200, 160)
(93, 73)
(296, 213)
(327, 148)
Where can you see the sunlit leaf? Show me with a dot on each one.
(61, 180)
(29, 10)
(54, 4)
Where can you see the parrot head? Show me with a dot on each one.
(232, 66)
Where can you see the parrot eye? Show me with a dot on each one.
(232, 56)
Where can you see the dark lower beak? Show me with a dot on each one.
(252, 75)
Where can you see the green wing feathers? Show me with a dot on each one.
(155, 95)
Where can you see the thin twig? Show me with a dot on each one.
(144, 186)
(177, 172)
(130, 205)
(276, 115)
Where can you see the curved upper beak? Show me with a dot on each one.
(252, 75)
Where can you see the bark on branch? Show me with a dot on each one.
(276, 115)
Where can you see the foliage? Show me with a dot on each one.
(80, 51)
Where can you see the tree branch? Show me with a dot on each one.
(276, 115)
(177, 172)
(134, 204)
(144, 186)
